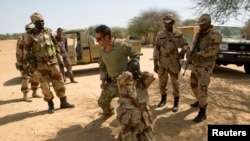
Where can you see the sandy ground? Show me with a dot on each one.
(22, 121)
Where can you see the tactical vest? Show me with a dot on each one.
(43, 45)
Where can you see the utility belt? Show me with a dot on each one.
(204, 59)
(45, 59)
(165, 55)
(125, 96)
(111, 79)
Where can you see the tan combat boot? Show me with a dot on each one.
(25, 98)
(35, 95)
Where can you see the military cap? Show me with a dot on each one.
(168, 18)
(204, 18)
(36, 17)
(29, 26)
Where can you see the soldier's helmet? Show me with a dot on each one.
(204, 18)
(36, 17)
(134, 68)
(168, 18)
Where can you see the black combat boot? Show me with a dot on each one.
(176, 104)
(65, 104)
(201, 115)
(51, 107)
(195, 104)
(163, 100)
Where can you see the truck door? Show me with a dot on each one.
(72, 42)
(89, 50)
(85, 48)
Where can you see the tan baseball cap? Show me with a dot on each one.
(168, 18)
(36, 17)
(204, 18)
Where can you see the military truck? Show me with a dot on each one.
(234, 49)
(83, 48)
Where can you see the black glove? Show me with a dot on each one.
(156, 68)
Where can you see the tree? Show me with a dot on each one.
(92, 29)
(118, 32)
(222, 10)
(189, 22)
(149, 23)
(246, 30)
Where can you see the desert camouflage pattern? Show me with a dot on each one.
(134, 113)
(166, 54)
(20, 51)
(43, 46)
(203, 63)
(20, 57)
(111, 65)
(36, 17)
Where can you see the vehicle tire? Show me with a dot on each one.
(247, 68)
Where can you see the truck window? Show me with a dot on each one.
(71, 39)
(229, 32)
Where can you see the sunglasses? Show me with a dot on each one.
(98, 39)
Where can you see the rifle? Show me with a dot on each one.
(195, 46)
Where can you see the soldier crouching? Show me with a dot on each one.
(134, 113)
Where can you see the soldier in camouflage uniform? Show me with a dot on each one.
(203, 61)
(134, 113)
(167, 59)
(113, 58)
(42, 46)
(22, 67)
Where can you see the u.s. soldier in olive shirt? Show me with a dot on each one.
(113, 59)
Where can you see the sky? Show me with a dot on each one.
(70, 14)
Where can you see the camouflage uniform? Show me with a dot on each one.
(112, 64)
(134, 113)
(43, 46)
(166, 56)
(203, 61)
(22, 65)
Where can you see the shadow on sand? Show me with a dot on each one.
(91, 132)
